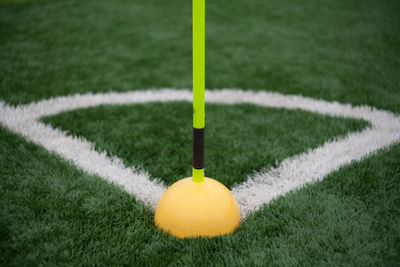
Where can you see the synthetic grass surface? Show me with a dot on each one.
(337, 50)
(240, 139)
(51, 213)
(344, 50)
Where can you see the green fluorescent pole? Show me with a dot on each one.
(198, 89)
(197, 206)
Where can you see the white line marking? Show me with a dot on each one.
(251, 195)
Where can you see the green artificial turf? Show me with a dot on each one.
(53, 214)
(240, 139)
(345, 50)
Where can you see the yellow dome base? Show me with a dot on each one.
(193, 209)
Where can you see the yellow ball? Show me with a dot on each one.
(193, 209)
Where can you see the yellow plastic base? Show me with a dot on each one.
(193, 209)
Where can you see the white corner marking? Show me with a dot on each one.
(252, 194)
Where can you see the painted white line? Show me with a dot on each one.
(251, 195)
(24, 120)
(314, 164)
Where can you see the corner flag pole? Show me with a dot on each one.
(198, 89)
(197, 206)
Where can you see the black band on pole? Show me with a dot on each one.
(198, 148)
